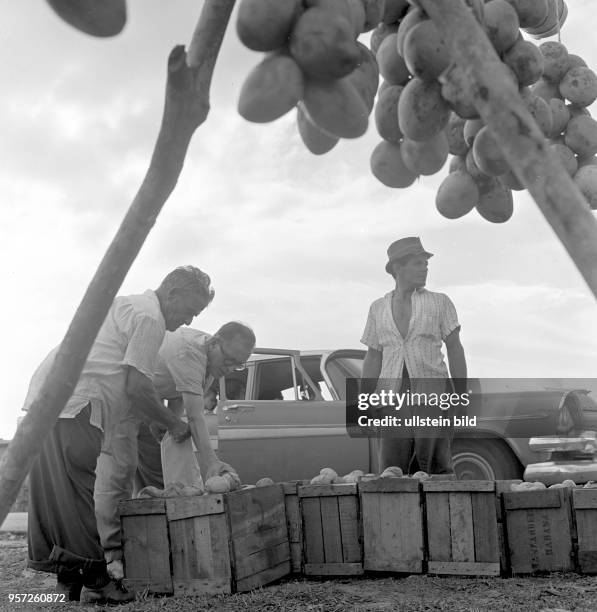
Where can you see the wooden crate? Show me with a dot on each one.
(331, 530)
(146, 545)
(208, 544)
(584, 504)
(503, 486)
(392, 516)
(461, 527)
(539, 530)
(294, 523)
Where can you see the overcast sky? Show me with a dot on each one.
(295, 244)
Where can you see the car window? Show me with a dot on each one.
(274, 379)
(312, 365)
(340, 368)
(235, 385)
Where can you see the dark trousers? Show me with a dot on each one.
(417, 448)
(149, 468)
(62, 533)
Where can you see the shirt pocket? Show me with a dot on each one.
(428, 327)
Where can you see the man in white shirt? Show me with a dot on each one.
(404, 334)
(114, 388)
(188, 362)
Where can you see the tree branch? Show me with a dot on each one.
(478, 69)
(186, 107)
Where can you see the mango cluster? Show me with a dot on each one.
(313, 62)
(422, 121)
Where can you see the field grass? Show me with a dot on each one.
(560, 592)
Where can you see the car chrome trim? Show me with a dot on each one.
(251, 433)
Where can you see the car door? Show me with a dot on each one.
(283, 428)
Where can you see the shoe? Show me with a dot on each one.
(115, 570)
(71, 590)
(112, 593)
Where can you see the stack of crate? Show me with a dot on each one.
(241, 540)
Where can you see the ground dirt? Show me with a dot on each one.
(550, 593)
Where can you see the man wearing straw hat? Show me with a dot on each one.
(404, 333)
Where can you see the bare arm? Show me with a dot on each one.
(456, 361)
(193, 405)
(371, 370)
(372, 364)
(145, 401)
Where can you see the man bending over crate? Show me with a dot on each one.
(404, 333)
(114, 388)
(188, 363)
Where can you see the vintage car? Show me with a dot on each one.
(284, 417)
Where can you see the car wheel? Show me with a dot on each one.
(484, 460)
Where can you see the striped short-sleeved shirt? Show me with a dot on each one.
(131, 335)
(433, 319)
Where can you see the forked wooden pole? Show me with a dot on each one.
(477, 68)
(186, 107)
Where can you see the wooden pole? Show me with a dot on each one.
(477, 68)
(186, 107)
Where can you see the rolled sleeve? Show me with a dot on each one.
(144, 345)
(370, 336)
(187, 368)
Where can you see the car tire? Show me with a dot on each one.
(484, 460)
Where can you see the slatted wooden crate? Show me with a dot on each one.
(207, 544)
(146, 545)
(392, 516)
(294, 523)
(539, 530)
(584, 503)
(331, 530)
(461, 526)
(503, 486)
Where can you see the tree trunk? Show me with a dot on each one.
(477, 68)
(186, 107)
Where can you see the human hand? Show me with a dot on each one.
(180, 431)
(219, 468)
(157, 430)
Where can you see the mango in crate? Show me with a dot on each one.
(392, 472)
(264, 482)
